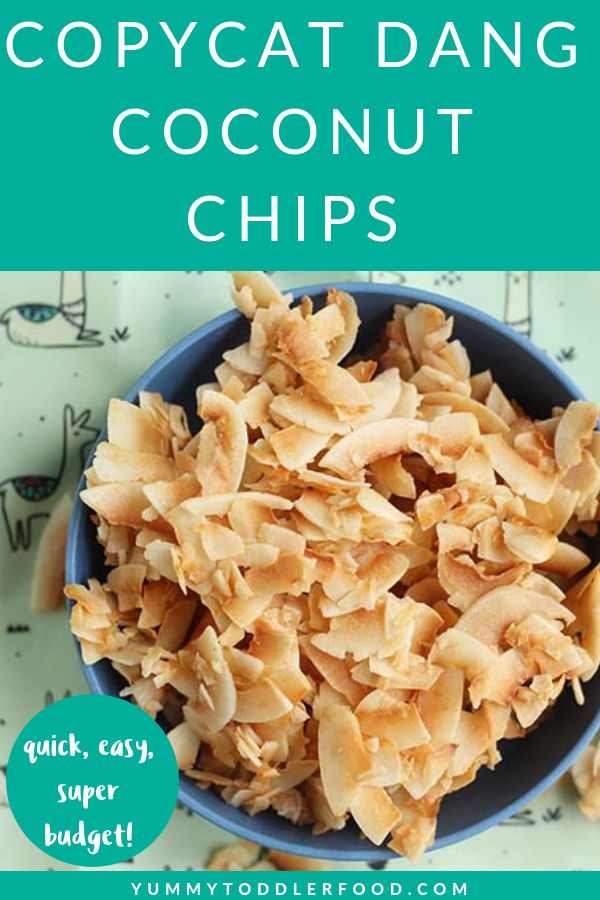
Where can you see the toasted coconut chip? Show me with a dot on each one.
(185, 743)
(344, 342)
(583, 481)
(529, 703)
(374, 813)
(286, 540)
(156, 597)
(475, 466)
(290, 573)
(566, 560)
(118, 504)
(423, 767)
(255, 405)
(113, 464)
(175, 624)
(384, 395)
(219, 542)
(255, 290)
(291, 862)
(300, 408)
(584, 601)
(498, 403)
(554, 515)
(247, 518)
(540, 639)
(328, 323)
(133, 429)
(222, 446)
(296, 447)
(456, 432)
(336, 386)
(225, 374)
(343, 758)
(241, 360)
(472, 738)
(235, 858)
(586, 777)
(334, 671)
(372, 442)
(481, 385)
(126, 582)
(421, 321)
(489, 616)
(243, 666)
(489, 422)
(217, 703)
(441, 706)
(166, 495)
(381, 715)
(528, 542)
(392, 478)
(429, 378)
(413, 674)
(430, 509)
(363, 370)
(298, 341)
(221, 504)
(454, 648)
(413, 835)
(522, 477)
(501, 681)
(464, 582)
(409, 402)
(369, 633)
(574, 432)
(148, 697)
(386, 769)
(262, 703)
(452, 538)
(48, 576)
(538, 582)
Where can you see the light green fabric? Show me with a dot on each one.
(130, 318)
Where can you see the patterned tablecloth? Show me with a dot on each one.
(69, 341)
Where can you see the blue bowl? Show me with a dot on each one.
(529, 766)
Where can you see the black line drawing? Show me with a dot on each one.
(448, 279)
(525, 817)
(518, 308)
(566, 354)
(553, 814)
(51, 326)
(120, 335)
(25, 498)
(49, 697)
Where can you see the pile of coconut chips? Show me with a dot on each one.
(356, 579)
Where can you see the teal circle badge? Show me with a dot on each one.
(92, 780)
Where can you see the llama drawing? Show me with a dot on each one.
(53, 326)
(517, 302)
(29, 497)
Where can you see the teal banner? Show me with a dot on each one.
(444, 135)
(236, 885)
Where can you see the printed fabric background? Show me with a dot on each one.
(71, 340)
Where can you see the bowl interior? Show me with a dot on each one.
(527, 376)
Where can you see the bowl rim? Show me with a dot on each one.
(189, 794)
